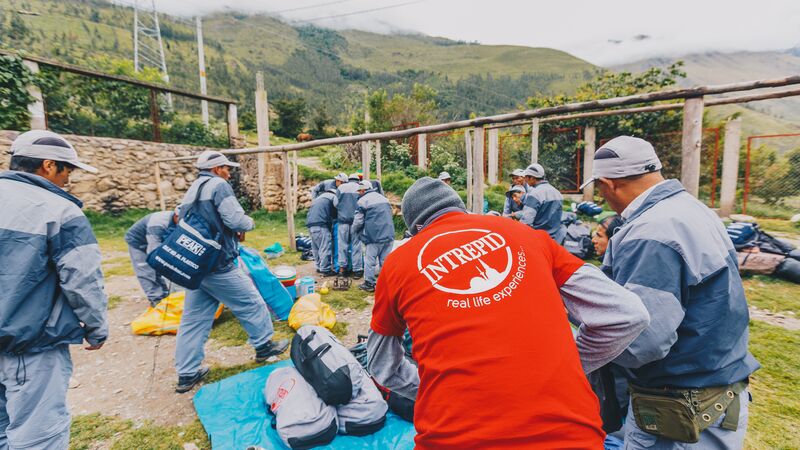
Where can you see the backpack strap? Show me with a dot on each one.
(190, 207)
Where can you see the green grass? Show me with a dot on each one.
(114, 225)
(775, 411)
(120, 266)
(772, 294)
(89, 431)
(777, 225)
(114, 301)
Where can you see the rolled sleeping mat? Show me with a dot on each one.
(789, 270)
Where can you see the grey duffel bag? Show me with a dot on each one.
(366, 412)
(300, 417)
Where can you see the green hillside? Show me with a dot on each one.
(331, 70)
(765, 117)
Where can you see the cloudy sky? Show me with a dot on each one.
(602, 32)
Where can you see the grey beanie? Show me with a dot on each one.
(426, 197)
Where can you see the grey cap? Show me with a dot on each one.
(518, 173)
(43, 144)
(444, 176)
(624, 156)
(424, 198)
(515, 188)
(364, 185)
(535, 170)
(210, 159)
(341, 177)
(353, 177)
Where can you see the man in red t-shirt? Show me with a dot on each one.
(484, 300)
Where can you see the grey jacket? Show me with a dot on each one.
(52, 286)
(675, 254)
(218, 206)
(373, 220)
(348, 199)
(149, 231)
(322, 212)
(542, 210)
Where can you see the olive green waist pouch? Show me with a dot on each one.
(682, 414)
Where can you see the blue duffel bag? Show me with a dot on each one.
(190, 251)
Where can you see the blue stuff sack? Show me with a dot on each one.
(278, 299)
(189, 252)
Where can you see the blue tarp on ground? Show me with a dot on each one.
(235, 416)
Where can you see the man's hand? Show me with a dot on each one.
(240, 236)
(95, 346)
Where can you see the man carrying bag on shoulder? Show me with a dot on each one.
(213, 203)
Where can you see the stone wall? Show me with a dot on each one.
(126, 177)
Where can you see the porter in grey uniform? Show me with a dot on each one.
(349, 244)
(319, 221)
(142, 238)
(52, 291)
(374, 224)
(675, 254)
(543, 205)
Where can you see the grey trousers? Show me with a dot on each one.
(347, 239)
(374, 256)
(33, 400)
(712, 438)
(155, 286)
(322, 246)
(239, 294)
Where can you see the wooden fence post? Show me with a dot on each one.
(691, 144)
(233, 124)
(590, 137)
(36, 108)
(154, 116)
(493, 157)
(378, 174)
(262, 126)
(365, 159)
(287, 197)
(295, 178)
(534, 141)
(422, 151)
(477, 170)
(160, 191)
(730, 167)
(468, 146)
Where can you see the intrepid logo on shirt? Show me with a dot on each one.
(465, 262)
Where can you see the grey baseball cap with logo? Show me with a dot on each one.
(622, 157)
(43, 144)
(210, 159)
(518, 173)
(444, 176)
(364, 185)
(341, 177)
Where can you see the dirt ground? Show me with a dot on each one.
(132, 377)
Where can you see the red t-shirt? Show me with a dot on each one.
(497, 360)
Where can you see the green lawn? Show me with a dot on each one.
(772, 294)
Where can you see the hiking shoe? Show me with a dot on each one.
(367, 287)
(187, 382)
(357, 275)
(271, 348)
(328, 273)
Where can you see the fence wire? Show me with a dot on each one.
(771, 173)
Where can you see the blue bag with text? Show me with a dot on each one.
(190, 251)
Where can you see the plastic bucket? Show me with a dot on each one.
(286, 275)
(305, 286)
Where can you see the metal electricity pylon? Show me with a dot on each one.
(148, 48)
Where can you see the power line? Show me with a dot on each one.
(318, 5)
(363, 11)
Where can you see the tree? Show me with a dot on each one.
(291, 116)
(14, 97)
